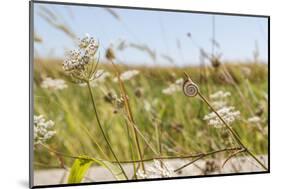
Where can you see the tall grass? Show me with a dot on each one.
(183, 131)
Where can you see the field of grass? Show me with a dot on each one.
(172, 124)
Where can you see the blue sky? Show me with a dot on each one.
(236, 35)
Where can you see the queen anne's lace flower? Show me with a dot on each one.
(174, 87)
(42, 129)
(229, 115)
(179, 81)
(219, 95)
(77, 59)
(127, 75)
(156, 171)
(219, 99)
(74, 60)
(171, 89)
(56, 84)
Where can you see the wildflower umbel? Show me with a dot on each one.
(156, 171)
(55, 84)
(229, 114)
(77, 61)
(219, 99)
(127, 75)
(42, 129)
(219, 95)
(174, 87)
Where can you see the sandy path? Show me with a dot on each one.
(201, 167)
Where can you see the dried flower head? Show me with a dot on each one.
(119, 102)
(215, 61)
(229, 115)
(138, 92)
(110, 55)
(157, 170)
(42, 129)
(110, 97)
(77, 62)
(55, 84)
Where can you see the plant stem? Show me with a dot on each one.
(131, 150)
(196, 156)
(182, 156)
(102, 131)
(193, 161)
(96, 143)
(129, 114)
(235, 135)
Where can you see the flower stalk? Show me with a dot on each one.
(101, 129)
(129, 114)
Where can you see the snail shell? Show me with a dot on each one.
(190, 88)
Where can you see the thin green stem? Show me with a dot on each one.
(182, 156)
(102, 131)
(131, 150)
(203, 155)
(191, 162)
(196, 156)
(96, 143)
(158, 139)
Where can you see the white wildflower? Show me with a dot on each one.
(174, 87)
(56, 84)
(156, 171)
(254, 119)
(179, 81)
(171, 89)
(219, 99)
(127, 75)
(76, 60)
(229, 115)
(220, 95)
(89, 44)
(219, 104)
(42, 129)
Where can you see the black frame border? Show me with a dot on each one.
(31, 60)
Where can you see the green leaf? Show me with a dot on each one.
(79, 169)
(83, 163)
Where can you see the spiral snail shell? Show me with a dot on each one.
(190, 88)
